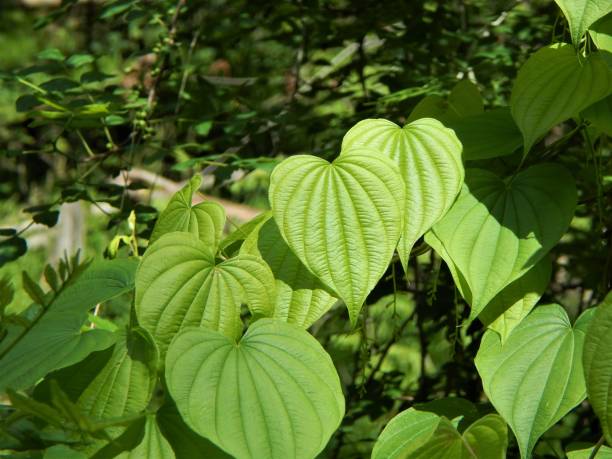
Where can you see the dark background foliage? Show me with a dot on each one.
(104, 101)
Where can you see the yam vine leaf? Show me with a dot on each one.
(597, 357)
(601, 33)
(429, 159)
(56, 340)
(415, 434)
(205, 219)
(536, 377)
(556, 84)
(343, 219)
(301, 298)
(581, 14)
(153, 445)
(274, 394)
(499, 228)
(179, 283)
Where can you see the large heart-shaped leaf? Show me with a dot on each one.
(301, 298)
(204, 220)
(488, 135)
(56, 340)
(275, 394)
(581, 14)
(499, 228)
(180, 284)
(343, 220)
(536, 377)
(429, 159)
(414, 434)
(598, 372)
(554, 85)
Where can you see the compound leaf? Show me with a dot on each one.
(499, 228)
(429, 159)
(342, 219)
(205, 220)
(56, 340)
(301, 298)
(275, 394)
(554, 85)
(179, 283)
(536, 377)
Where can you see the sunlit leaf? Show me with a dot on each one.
(153, 445)
(580, 14)
(274, 394)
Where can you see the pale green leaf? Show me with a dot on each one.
(205, 220)
(556, 84)
(536, 377)
(56, 340)
(601, 33)
(343, 220)
(414, 434)
(275, 394)
(301, 298)
(581, 14)
(153, 445)
(596, 359)
(604, 452)
(488, 135)
(499, 228)
(179, 284)
(429, 160)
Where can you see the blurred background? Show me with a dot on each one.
(107, 107)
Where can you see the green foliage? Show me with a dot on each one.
(581, 14)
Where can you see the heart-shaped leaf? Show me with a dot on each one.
(597, 357)
(601, 33)
(429, 160)
(581, 14)
(274, 394)
(498, 229)
(180, 284)
(204, 220)
(536, 377)
(554, 85)
(343, 220)
(414, 434)
(56, 340)
(301, 298)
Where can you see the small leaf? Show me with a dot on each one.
(536, 377)
(278, 378)
(205, 220)
(79, 60)
(32, 289)
(300, 297)
(180, 284)
(498, 229)
(342, 220)
(554, 85)
(153, 445)
(48, 218)
(429, 159)
(52, 278)
(416, 434)
(51, 54)
(581, 14)
(596, 359)
(11, 249)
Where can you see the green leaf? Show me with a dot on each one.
(205, 220)
(11, 249)
(63, 452)
(180, 284)
(596, 359)
(515, 302)
(604, 453)
(51, 54)
(56, 340)
(232, 243)
(499, 228)
(343, 220)
(276, 394)
(554, 85)
(601, 33)
(465, 100)
(488, 135)
(600, 115)
(301, 298)
(431, 106)
(416, 434)
(153, 445)
(79, 60)
(536, 377)
(581, 14)
(32, 289)
(429, 160)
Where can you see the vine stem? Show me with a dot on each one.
(598, 445)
